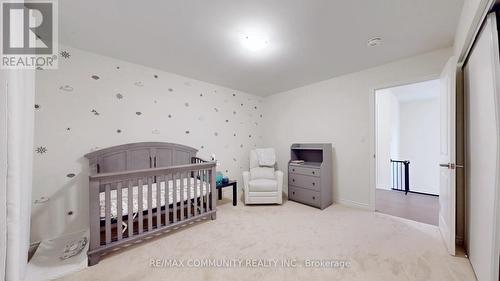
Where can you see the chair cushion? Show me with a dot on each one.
(262, 173)
(260, 185)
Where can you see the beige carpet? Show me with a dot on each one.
(378, 247)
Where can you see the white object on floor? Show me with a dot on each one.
(259, 187)
(47, 262)
(266, 156)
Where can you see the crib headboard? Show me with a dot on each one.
(140, 155)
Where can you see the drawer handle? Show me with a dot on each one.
(314, 183)
(293, 170)
(314, 198)
(293, 192)
(313, 172)
(293, 180)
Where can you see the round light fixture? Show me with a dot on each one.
(254, 42)
(374, 42)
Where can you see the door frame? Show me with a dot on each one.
(372, 128)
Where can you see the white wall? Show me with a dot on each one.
(419, 143)
(468, 24)
(172, 108)
(387, 135)
(338, 111)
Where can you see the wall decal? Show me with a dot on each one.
(241, 145)
(170, 89)
(118, 131)
(255, 107)
(216, 109)
(187, 132)
(249, 136)
(119, 96)
(201, 95)
(170, 116)
(37, 106)
(95, 77)
(201, 118)
(234, 112)
(155, 76)
(39, 68)
(234, 134)
(95, 112)
(41, 150)
(216, 134)
(241, 104)
(234, 95)
(66, 88)
(155, 131)
(65, 54)
(138, 113)
(70, 175)
(261, 116)
(186, 104)
(227, 121)
(139, 84)
(117, 67)
(202, 147)
(68, 129)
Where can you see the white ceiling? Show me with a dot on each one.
(309, 40)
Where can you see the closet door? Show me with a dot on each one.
(481, 80)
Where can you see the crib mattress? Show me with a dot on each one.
(201, 188)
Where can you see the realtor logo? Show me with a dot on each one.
(29, 35)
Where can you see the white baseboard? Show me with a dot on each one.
(353, 204)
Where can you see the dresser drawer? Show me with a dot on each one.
(303, 181)
(304, 171)
(305, 196)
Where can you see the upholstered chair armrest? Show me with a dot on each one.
(279, 179)
(246, 179)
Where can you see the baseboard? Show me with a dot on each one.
(353, 204)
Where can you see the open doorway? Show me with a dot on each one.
(407, 137)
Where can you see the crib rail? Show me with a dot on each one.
(174, 196)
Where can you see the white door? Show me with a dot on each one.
(447, 181)
(481, 78)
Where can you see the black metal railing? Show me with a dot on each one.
(400, 175)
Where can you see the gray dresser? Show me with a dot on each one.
(311, 183)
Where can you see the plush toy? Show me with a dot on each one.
(219, 178)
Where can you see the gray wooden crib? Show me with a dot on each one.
(140, 190)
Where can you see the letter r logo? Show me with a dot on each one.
(27, 28)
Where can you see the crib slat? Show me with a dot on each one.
(196, 195)
(167, 200)
(130, 207)
(107, 196)
(174, 195)
(119, 210)
(158, 201)
(189, 194)
(150, 205)
(140, 205)
(182, 188)
(206, 190)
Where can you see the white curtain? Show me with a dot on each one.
(18, 88)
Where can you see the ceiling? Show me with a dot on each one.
(309, 40)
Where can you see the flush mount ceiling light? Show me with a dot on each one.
(254, 42)
(374, 42)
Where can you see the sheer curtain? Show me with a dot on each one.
(18, 87)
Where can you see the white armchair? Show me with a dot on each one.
(262, 184)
